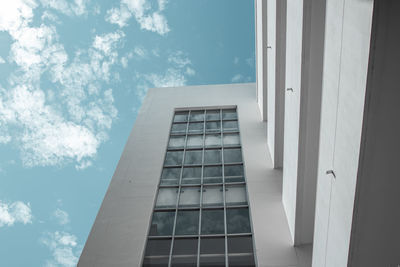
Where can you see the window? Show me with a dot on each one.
(201, 213)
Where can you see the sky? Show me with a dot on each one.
(73, 75)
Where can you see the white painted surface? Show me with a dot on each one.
(292, 110)
(347, 35)
(119, 233)
(376, 219)
(261, 58)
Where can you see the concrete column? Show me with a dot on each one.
(261, 58)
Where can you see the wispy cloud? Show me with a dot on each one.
(68, 120)
(179, 59)
(64, 249)
(237, 78)
(61, 216)
(15, 212)
(2, 60)
(75, 7)
(148, 17)
(236, 60)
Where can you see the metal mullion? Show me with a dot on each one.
(179, 193)
(201, 189)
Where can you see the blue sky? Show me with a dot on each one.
(73, 75)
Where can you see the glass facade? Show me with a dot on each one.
(201, 215)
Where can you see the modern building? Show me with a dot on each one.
(298, 169)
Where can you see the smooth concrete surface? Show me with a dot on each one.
(376, 219)
(304, 59)
(261, 58)
(347, 42)
(119, 233)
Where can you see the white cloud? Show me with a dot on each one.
(250, 61)
(179, 59)
(236, 60)
(2, 60)
(171, 78)
(15, 212)
(148, 18)
(64, 249)
(75, 7)
(237, 78)
(69, 120)
(61, 216)
(124, 62)
(140, 51)
(190, 71)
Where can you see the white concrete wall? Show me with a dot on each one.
(376, 217)
(261, 58)
(119, 233)
(347, 42)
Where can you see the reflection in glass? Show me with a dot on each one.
(196, 127)
(170, 176)
(238, 220)
(229, 114)
(191, 175)
(231, 139)
(212, 115)
(193, 156)
(213, 140)
(173, 158)
(176, 141)
(167, 197)
(187, 222)
(158, 247)
(212, 156)
(181, 116)
(178, 128)
(232, 155)
(212, 222)
(212, 196)
(230, 126)
(194, 141)
(235, 195)
(162, 223)
(213, 126)
(196, 115)
(189, 197)
(234, 170)
(241, 260)
(212, 175)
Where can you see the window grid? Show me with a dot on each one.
(202, 186)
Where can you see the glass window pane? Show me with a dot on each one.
(212, 156)
(230, 126)
(231, 139)
(213, 126)
(235, 195)
(212, 115)
(212, 222)
(232, 155)
(241, 260)
(189, 197)
(155, 262)
(162, 223)
(185, 246)
(178, 261)
(239, 179)
(170, 176)
(167, 197)
(176, 141)
(178, 128)
(187, 222)
(212, 175)
(212, 245)
(229, 114)
(173, 158)
(158, 247)
(191, 175)
(233, 170)
(193, 156)
(240, 244)
(196, 127)
(238, 220)
(213, 140)
(197, 115)
(212, 196)
(212, 261)
(195, 141)
(181, 116)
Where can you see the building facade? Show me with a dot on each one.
(298, 169)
